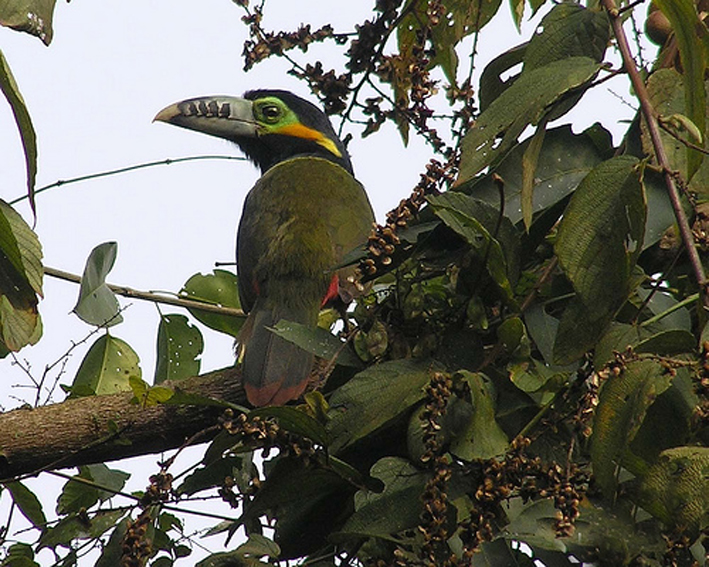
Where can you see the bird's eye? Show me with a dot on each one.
(271, 112)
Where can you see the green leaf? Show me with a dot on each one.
(568, 30)
(299, 496)
(19, 555)
(31, 16)
(690, 32)
(676, 491)
(403, 485)
(458, 212)
(258, 546)
(21, 275)
(318, 341)
(148, 396)
(179, 348)
(565, 159)
(491, 82)
(218, 288)
(107, 366)
(210, 475)
(27, 502)
(530, 159)
(24, 123)
(623, 402)
(482, 438)
(373, 398)
(113, 550)
(522, 104)
(599, 241)
(76, 495)
(75, 527)
(97, 304)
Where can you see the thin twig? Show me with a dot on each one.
(167, 161)
(654, 131)
(151, 296)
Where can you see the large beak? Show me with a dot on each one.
(222, 116)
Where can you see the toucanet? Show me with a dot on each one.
(303, 215)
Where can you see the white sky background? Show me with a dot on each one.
(92, 96)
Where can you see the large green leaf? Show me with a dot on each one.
(97, 304)
(565, 159)
(373, 398)
(522, 104)
(31, 16)
(691, 34)
(623, 402)
(23, 120)
(599, 241)
(218, 288)
(106, 368)
(179, 348)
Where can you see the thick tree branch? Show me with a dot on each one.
(654, 131)
(98, 429)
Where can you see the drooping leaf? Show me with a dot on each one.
(319, 342)
(373, 398)
(492, 83)
(97, 304)
(623, 402)
(31, 16)
(482, 438)
(530, 158)
(179, 348)
(21, 275)
(24, 123)
(522, 104)
(107, 367)
(218, 288)
(27, 502)
(258, 546)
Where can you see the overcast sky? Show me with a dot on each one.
(92, 96)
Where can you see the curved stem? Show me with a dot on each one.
(654, 131)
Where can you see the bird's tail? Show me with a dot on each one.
(274, 370)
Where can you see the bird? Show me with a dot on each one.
(303, 215)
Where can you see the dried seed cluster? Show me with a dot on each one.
(700, 417)
(136, 548)
(434, 517)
